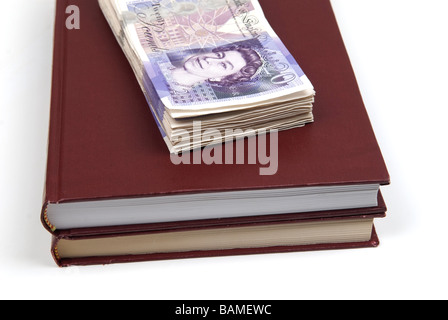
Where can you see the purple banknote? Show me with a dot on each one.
(206, 56)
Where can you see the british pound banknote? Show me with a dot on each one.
(199, 58)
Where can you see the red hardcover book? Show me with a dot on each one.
(312, 235)
(109, 172)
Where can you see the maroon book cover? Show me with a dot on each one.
(104, 142)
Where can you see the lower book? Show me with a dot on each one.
(219, 240)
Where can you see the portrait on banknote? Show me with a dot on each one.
(224, 67)
(239, 69)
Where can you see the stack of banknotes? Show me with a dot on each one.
(211, 70)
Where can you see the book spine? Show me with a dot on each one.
(54, 251)
(51, 189)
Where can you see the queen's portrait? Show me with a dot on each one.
(223, 66)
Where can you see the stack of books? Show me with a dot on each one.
(114, 193)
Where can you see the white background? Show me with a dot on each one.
(399, 52)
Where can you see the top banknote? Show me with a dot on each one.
(204, 57)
